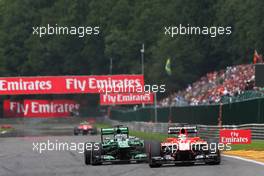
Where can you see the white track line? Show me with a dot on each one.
(244, 159)
(3, 132)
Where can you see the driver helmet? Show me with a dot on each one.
(120, 137)
(182, 136)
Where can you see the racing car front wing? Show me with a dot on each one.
(171, 160)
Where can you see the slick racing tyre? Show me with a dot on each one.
(94, 131)
(87, 156)
(75, 131)
(153, 151)
(96, 154)
(217, 158)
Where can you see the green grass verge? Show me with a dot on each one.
(149, 136)
(255, 144)
(139, 134)
(7, 130)
(102, 125)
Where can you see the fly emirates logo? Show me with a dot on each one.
(42, 107)
(70, 84)
(20, 84)
(104, 85)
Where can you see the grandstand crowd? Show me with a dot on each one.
(216, 87)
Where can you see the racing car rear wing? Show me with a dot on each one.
(118, 130)
(177, 130)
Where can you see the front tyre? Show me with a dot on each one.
(96, 154)
(87, 156)
(154, 151)
(217, 159)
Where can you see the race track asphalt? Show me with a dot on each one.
(17, 158)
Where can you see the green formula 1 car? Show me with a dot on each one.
(116, 146)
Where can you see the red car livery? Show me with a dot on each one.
(85, 128)
(181, 148)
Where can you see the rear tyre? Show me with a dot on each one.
(94, 131)
(153, 148)
(75, 131)
(96, 154)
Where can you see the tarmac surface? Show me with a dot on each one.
(19, 157)
(20, 154)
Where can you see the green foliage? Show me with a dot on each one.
(124, 26)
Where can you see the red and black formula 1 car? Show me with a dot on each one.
(182, 148)
(85, 128)
(6, 126)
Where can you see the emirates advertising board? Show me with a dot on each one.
(126, 98)
(70, 84)
(235, 136)
(40, 108)
(113, 89)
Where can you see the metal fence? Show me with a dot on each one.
(204, 131)
(243, 112)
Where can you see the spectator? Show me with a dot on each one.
(211, 87)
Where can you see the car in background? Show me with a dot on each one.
(85, 128)
(6, 128)
(181, 147)
(118, 148)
